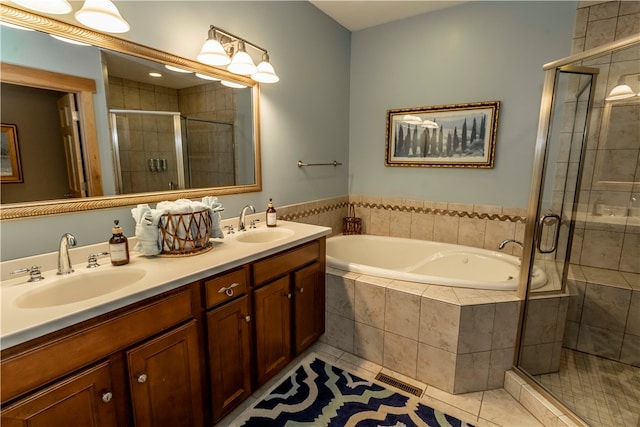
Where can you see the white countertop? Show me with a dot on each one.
(19, 325)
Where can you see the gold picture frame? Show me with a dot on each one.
(10, 167)
(456, 135)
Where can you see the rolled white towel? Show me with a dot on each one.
(214, 211)
(149, 241)
(179, 227)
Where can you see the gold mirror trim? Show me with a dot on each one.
(54, 207)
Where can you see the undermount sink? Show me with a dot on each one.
(264, 235)
(79, 287)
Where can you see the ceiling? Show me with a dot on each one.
(356, 15)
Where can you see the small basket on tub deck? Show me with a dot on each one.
(350, 223)
(185, 234)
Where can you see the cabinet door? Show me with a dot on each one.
(228, 334)
(85, 399)
(272, 305)
(308, 306)
(164, 379)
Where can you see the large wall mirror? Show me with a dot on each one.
(95, 129)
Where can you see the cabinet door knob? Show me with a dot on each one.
(288, 295)
(247, 319)
(142, 378)
(301, 290)
(107, 396)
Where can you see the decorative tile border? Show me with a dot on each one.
(443, 212)
(298, 214)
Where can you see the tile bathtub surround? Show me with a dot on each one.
(458, 340)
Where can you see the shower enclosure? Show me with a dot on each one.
(579, 341)
(163, 150)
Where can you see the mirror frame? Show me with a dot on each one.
(53, 207)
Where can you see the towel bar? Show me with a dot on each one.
(334, 164)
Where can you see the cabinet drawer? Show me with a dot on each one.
(226, 287)
(278, 265)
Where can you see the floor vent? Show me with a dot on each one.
(384, 378)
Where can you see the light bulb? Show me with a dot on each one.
(241, 63)
(102, 15)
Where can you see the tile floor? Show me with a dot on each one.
(601, 391)
(483, 409)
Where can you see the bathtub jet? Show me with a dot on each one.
(428, 262)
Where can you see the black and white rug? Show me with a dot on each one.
(319, 394)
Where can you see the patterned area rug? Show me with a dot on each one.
(318, 394)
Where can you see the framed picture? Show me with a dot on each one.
(457, 135)
(10, 168)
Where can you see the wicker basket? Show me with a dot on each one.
(351, 224)
(185, 234)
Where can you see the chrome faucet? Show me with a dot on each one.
(64, 262)
(505, 242)
(243, 212)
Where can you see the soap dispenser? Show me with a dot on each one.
(118, 246)
(271, 215)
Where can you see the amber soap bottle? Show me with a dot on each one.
(118, 246)
(271, 215)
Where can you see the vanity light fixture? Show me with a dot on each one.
(66, 40)
(205, 77)
(154, 74)
(223, 48)
(54, 7)
(176, 69)
(232, 84)
(102, 15)
(622, 90)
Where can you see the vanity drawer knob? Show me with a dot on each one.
(228, 291)
(107, 396)
(142, 378)
(247, 319)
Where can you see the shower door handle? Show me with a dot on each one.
(547, 220)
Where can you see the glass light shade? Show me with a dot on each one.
(232, 84)
(17, 27)
(265, 72)
(177, 69)
(66, 40)
(205, 77)
(241, 63)
(620, 92)
(102, 15)
(212, 53)
(54, 7)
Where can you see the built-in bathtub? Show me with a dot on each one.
(423, 261)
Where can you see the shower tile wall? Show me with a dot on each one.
(144, 137)
(212, 161)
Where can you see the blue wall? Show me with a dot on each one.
(334, 91)
(479, 51)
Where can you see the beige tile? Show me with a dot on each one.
(400, 224)
(436, 367)
(513, 384)
(505, 327)
(368, 342)
(402, 313)
(499, 407)
(445, 229)
(339, 332)
(439, 324)
(326, 351)
(541, 321)
(400, 354)
(450, 409)
(340, 295)
(380, 222)
(468, 402)
(601, 276)
(361, 363)
(370, 304)
(496, 231)
(422, 226)
(501, 362)
(441, 293)
(606, 307)
(472, 372)
(476, 328)
(601, 249)
(539, 406)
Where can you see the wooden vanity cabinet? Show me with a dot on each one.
(84, 399)
(78, 376)
(228, 321)
(288, 305)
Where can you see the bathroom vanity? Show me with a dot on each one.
(183, 351)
